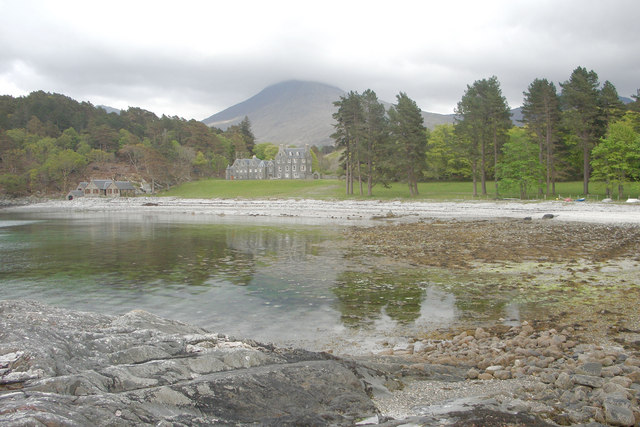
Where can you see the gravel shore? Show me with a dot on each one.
(351, 210)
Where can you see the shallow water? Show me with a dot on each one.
(272, 280)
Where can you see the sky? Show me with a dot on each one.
(193, 59)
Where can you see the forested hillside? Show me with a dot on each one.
(581, 131)
(49, 142)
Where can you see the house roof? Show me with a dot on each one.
(102, 184)
(124, 185)
(251, 162)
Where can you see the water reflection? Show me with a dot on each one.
(282, 282)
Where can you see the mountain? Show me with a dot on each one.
(295, 112)
(291, 112)
(109, 109)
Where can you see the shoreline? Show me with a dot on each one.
(348, 210)
(553, 374)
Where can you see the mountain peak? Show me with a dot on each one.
(290, 112)
(294, 112)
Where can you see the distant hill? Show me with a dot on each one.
(109, 109)
(294, 112)
(291, 112)
(298, 112)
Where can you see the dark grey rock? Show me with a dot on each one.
(564, 381)
(617, 412)
(548, 216)
(61, 367)
(590, 368)
(588, 380)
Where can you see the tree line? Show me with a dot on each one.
(582, 131)
(47, 141)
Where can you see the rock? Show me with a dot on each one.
(612, 371)
(594, 412)
(548, 216)
(526, 330)
(588, 380)
(494, 368)
(485, 376)
(420, 347)
(472, 374)
(617, 412)
(623, 381)
(502, 374)
(65, 368)
(481, 334)
(590, 368)
(549, 377)
(564, 381)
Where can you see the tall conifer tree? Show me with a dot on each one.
(541, 112)
(483, 118)
(409, 137)
(581, 112)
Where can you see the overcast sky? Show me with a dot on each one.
(195, 58)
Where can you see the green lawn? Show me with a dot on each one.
(334, 189)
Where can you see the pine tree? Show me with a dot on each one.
(611, 107)
(348, 131)
(409, 138)
(483, 117)
(375, 138)
(580, 99)
(541, 112)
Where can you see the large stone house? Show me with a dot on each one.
(102, 187)
(290, 163)
(253, 168)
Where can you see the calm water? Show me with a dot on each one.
(272, 280)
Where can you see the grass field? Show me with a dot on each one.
(334, 190)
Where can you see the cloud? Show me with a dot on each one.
(195, 58)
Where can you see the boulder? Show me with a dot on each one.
(61, 367)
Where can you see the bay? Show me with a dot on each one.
(270, 279)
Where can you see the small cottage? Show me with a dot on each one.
(102, 187)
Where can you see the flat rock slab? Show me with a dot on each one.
(59, 367)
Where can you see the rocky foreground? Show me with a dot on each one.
(60, 367)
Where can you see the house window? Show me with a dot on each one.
(293, 168)
(302, 168)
